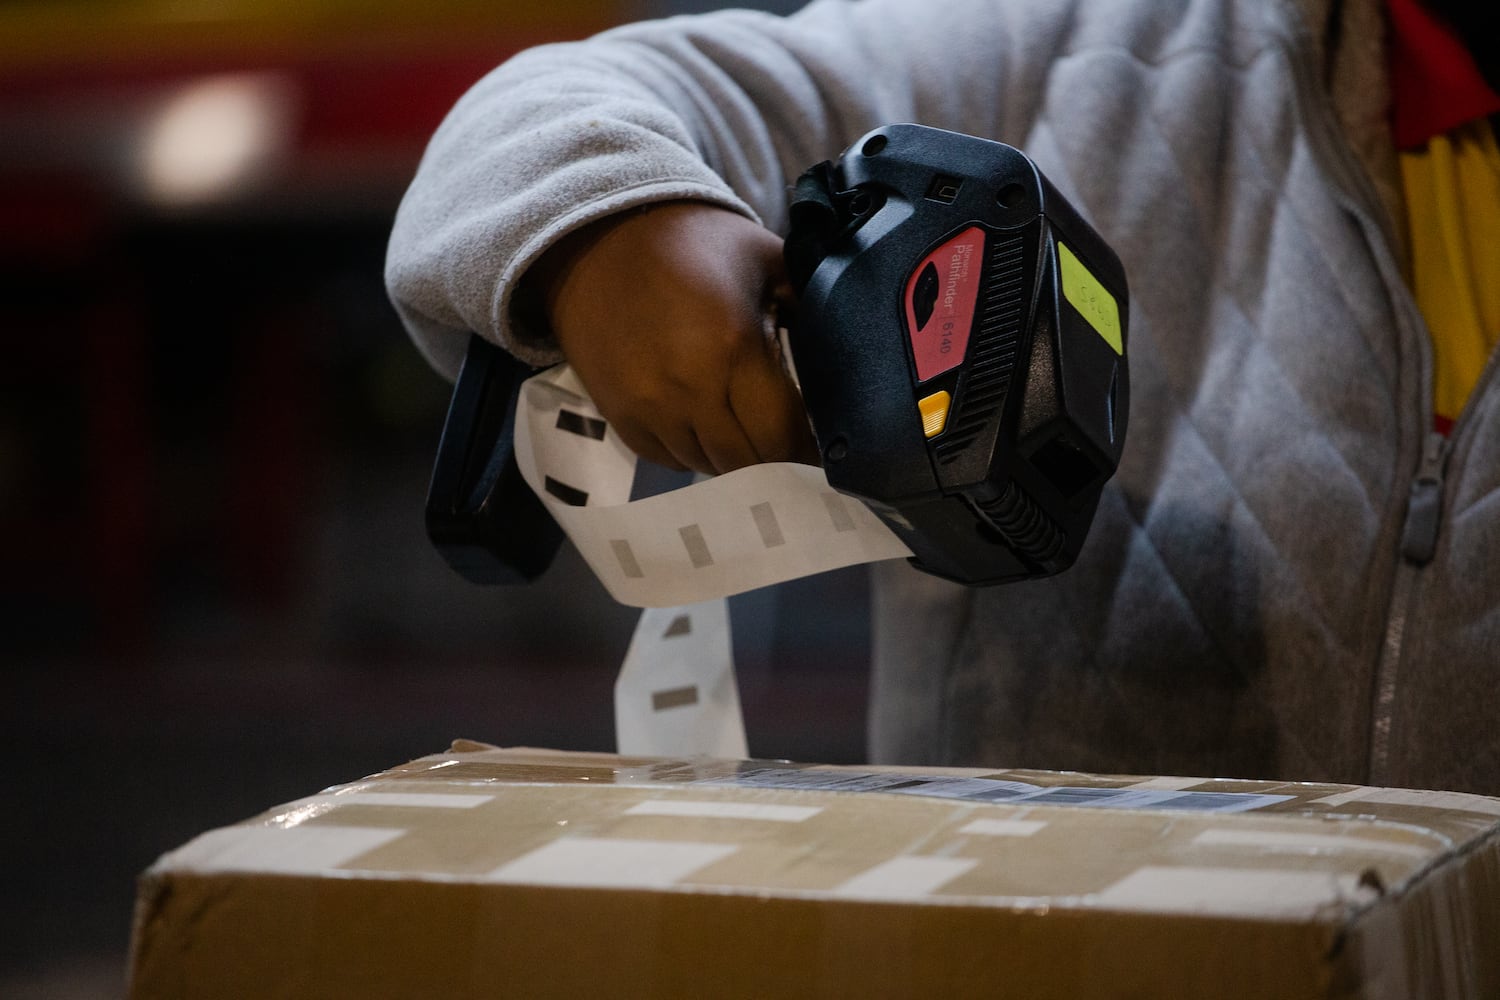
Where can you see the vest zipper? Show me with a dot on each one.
(1422, 519)
(1424, 505)
(1419, 533)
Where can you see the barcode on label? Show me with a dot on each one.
(994, 790)
(868, 781)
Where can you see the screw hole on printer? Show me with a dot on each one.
(1010, 196)
(837, 450)
(873, 145)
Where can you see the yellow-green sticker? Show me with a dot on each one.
(1091, 299)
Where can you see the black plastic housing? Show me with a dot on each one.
(1039, 401)
(481, 514)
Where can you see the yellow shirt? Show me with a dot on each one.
(1452, 189)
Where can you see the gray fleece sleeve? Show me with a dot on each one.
(724, 108)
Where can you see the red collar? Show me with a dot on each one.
(1436, 85)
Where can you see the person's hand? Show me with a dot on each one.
(662, 313)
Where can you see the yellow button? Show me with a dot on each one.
(934, 412)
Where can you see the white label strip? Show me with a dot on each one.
(726, 535)
(724, 810)
(1282, 842)
(1234, 892)
(906, 877)
(676, 695)
(1003, 827)
(1459, 801)
(611, 862)
(298, 850)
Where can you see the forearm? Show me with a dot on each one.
(724, 109)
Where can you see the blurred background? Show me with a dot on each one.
(215, 438)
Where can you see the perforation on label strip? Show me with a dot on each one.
(721, 536)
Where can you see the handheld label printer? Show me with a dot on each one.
(960, 342)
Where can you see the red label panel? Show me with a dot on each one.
(940, 297)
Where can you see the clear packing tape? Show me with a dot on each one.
(684, 551)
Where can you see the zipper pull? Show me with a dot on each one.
(1424, 507)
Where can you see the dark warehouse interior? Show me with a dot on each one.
(215, 438)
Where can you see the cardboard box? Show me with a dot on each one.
(483, 872)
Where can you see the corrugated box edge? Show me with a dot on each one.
(1419, 942)
(276, 935)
